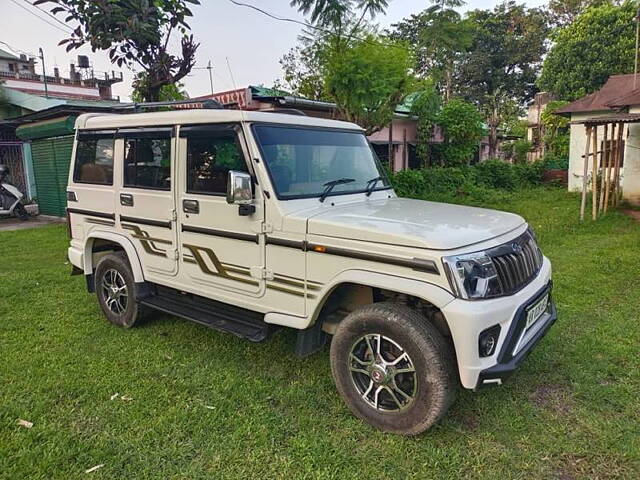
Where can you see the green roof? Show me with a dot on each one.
(5, 54)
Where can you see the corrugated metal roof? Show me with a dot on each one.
(620, 118)
(611, 95)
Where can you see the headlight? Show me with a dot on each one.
(473, 276)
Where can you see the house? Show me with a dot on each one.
(535, 129)
(396, 141)
(37, 115)
(616, 103)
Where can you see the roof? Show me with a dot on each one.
(619, 118)
(106, 121)
(9, 55)
(617, 92)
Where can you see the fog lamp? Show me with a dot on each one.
(488, 341)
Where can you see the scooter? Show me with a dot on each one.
(10, 197)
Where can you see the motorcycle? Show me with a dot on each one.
(10, 197)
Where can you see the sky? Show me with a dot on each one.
(243, 45)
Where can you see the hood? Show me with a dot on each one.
(413, 223)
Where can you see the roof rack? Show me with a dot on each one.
(288, 111)
(208, 104)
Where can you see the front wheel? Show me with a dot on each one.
(115, 288)
(393, 368)
(21, 212)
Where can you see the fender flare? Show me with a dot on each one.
(124, 242)
(434, 294)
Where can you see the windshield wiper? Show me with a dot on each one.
(329, 186)
(371, 184)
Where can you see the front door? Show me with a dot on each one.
(221, 253)
(145, 200)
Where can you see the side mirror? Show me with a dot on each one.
(239, 188)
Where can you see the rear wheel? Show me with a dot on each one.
(393, 368)
(115, 288)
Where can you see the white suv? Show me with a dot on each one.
(247, 221)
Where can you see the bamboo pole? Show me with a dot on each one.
(603, 166)
(594, 177)
(610, 157)
(616, 174)
(583, 201)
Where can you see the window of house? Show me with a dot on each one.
(94, 160)
(211, 153)
(147, 161)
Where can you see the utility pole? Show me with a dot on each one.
(44, 74)
(210, 68)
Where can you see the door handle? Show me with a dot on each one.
(190, 206)
(126, 199)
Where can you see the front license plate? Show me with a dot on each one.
(536, 310)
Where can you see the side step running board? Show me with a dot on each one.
(220, 316)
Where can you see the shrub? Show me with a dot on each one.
(463, 128)
(520, 149)
(551, 161)
(484, 180)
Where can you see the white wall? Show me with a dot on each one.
(631, 181)
(577, 146)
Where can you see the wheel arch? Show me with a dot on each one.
(428, 292)
(118, 240)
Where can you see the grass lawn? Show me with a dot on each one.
(193, 403)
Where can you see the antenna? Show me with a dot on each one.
(235, 87)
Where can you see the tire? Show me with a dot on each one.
(431, 386)
(21, 212)
(113, 272)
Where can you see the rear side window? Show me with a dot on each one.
(147, 162)
(211, 152)
(94, 159)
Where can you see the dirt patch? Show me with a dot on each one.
(577, 467)
(554, 397)
(635, 214)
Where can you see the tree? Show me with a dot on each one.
(499, 71)
(367, 79)
(462, 126)
(600, 43)
(134, 32)
(438, 36)
(169, 92)
(425, 106)
(565, 12)
(302, 69)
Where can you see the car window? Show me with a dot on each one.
(209, 159)
(301, 161)
(147, 163)
(94, 161)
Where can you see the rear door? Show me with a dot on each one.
(145, 200)
(221, 251)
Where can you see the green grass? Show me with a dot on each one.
(208, 405)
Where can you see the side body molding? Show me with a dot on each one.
(121, 240)
(427, 291)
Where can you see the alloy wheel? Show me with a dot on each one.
(383, 373)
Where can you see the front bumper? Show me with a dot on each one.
(467, 319)
(509, 362)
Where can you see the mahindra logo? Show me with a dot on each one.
(517, 248)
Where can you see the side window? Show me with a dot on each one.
(147, 163)
(94, 160)
(210, 156)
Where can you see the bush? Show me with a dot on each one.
(551, 161)
(484, 180)
(520, 149)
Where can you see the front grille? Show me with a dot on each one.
(517, 262)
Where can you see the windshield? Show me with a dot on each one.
(301, 161)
